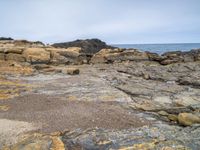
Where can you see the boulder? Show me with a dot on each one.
(36, 55)
(154, 57)
(71, 71)
(118, 55)
(188, 119)
(178, 57)
(14, 57)
(71, 55)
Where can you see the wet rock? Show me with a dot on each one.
(71, 71)
(188, 119)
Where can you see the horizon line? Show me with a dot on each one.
(153, 43)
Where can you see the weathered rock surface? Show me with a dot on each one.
(36, 55)
(37, 52)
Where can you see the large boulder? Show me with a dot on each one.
(188, 119)
(89, 46)
(118, 55)
(71, 55)
(36, 55)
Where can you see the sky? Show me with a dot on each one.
(113, 21)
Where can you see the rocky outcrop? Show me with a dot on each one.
(175, 57)
(89, 46)
(118, 55)
(85, 51)
(38, 53)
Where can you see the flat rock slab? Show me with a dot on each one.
(57, 115)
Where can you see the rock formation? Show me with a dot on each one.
(89, 46)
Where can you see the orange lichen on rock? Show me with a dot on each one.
(12, 88)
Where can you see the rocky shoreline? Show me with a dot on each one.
(88, 95)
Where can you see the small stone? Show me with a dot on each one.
(71, 71)
(146, 76)
(173, 117)
(163, 113)
(188, 119)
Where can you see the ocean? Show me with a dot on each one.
(161, 48)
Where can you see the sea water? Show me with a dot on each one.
(161, 48)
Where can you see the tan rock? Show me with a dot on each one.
(188, 119)
(57, 144)
(2, 49)
(2, 56)
(70, 52)
(172, 117)
(58, 59)
(163, 113)
(184, 100)
(15, 57)
(36, 55)
(71, 55)
(17, 50)
(71, 71)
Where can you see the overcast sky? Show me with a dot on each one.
(114, 21)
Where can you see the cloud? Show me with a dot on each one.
(115, 21)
